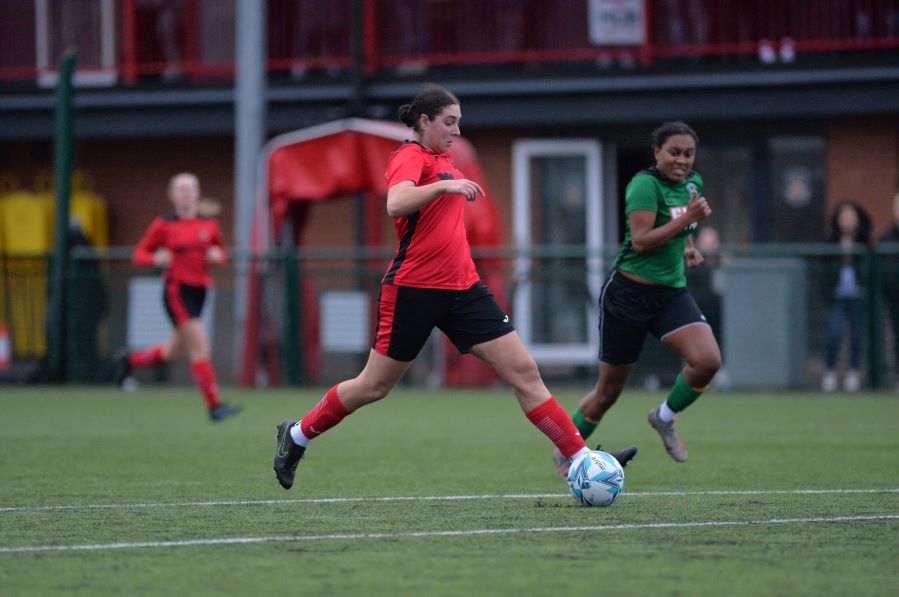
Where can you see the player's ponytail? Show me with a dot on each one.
(405, 114)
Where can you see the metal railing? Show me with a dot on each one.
(126, 40)
(315, 311)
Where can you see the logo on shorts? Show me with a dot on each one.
(506, 319)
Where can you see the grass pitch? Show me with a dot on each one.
(442, 493)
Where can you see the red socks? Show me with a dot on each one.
(204, 378)
(549, 417)
(147, 357)
(554, 422)
(327, 413)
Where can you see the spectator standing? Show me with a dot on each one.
(890, 281)
(850, 228)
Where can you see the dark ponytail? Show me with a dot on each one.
(430, 101)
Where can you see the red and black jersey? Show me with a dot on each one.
(188, 240)
(432, 249)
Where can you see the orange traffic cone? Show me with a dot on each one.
(5, 352)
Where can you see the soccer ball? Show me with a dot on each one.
(596, 479)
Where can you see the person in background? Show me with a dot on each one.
(707, 287)
(169, 17)
(432, 282)
(850, 227)
(890, 280)
(183, 245)
(646, 290)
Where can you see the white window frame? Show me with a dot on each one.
(523, 151)
(106, 75)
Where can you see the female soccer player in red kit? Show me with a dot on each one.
(183, 245)
(432, 282)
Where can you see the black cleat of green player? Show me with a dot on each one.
(122, 367)
(624, 455)
(287, 454)
(223, 411)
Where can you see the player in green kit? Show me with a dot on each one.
(646, 290)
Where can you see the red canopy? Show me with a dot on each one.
(342, 158)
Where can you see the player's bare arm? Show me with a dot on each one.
(692, 254)
(405, 198)
(215, 255)
(646, 239)
(162, 257)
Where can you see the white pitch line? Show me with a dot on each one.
(431, 498)
(459, 533)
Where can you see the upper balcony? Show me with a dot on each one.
(366, 46)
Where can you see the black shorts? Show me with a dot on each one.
(628, 310)
(406, 317)
(182, 301)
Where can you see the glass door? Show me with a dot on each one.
(558, 232)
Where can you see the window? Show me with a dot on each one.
(88, 25)
(558, 227)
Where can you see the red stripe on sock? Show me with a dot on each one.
(326, 414)
(204, 378)
(554, 422)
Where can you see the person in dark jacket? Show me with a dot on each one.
(850, 227)
(890, 279)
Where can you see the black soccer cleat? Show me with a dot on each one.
(287, 454)
(123, 368)
(624, 455)
(223, 411)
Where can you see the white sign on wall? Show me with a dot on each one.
(148, 324)
(345, 321)
(616, 22)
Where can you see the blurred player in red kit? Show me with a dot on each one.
(183, 245)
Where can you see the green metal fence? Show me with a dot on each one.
(768, 304)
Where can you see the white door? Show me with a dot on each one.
(558, 232)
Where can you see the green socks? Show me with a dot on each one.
(682, 394)
(584, 425)
(680, 397)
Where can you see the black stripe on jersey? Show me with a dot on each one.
(404, 246)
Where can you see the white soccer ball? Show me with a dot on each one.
(596, 479)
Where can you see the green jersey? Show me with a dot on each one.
(648, 191)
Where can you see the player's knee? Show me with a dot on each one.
(609, 393)
(376, 390)
(709, 364)
(525, 370)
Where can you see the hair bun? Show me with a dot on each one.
(405, 114)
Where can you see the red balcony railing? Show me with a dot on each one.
(194, 39)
